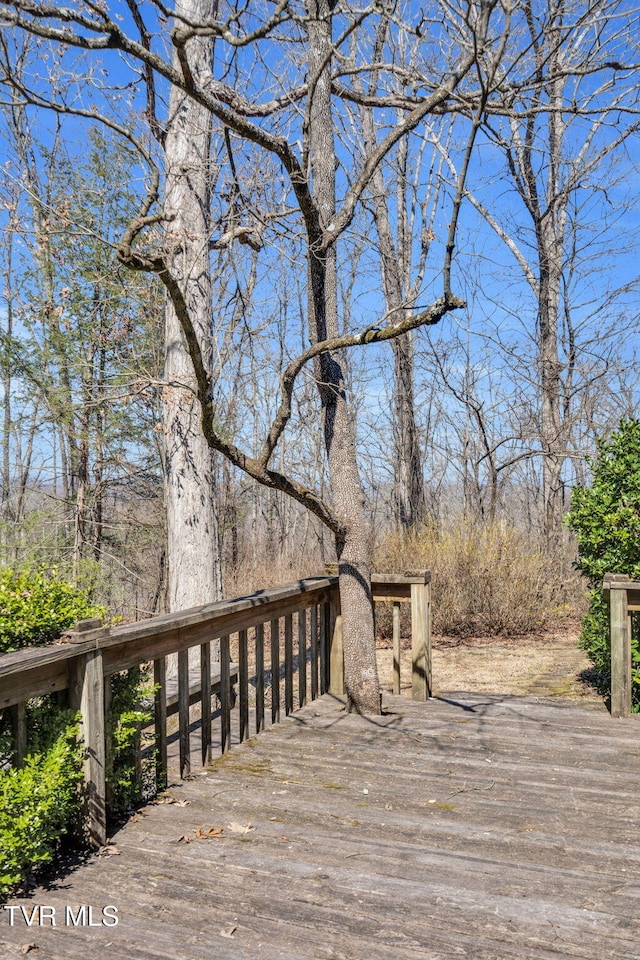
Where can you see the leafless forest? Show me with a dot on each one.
(285, 284)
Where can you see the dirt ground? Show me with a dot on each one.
(546, 664)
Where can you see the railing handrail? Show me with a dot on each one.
(218, 618)
(236, 612)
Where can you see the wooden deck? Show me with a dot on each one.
(472, 826)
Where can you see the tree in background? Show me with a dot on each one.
(79, 359)
(561, 142)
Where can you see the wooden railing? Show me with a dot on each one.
(623, 598)
(304, 655)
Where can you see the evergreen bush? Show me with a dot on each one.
(40, 801)
(605, 518)
(36, 607)
(38, 804)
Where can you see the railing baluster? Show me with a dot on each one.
(275, 671)
(205, 701)
(160, 720)
(288, 664)
(302, 657)
(183, 713)
(225, 695)
(259, 677)
(314, 651)
(243, 683)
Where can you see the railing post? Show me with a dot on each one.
(19, 731)
(275, 670)
(86, 694)
(397, 651)
(620, 647)
(421, 688)
(336, 646)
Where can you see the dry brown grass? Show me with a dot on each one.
(259, 574)
(487, 579)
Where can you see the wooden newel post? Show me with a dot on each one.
(86, 694)
(421, 688)
(18, 715)
(336, 646)
(615, 587)
(397, 649)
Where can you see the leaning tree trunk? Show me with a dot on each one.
(354, 544)
(193, 572)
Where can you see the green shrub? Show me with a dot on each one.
(605, 518)
(38, 804)
(36, 607)
(130, 778)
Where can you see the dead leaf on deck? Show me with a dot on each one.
(240, 827)
(28, 947)
(109, 850)
(208, 833)
(184, 839)
(228, 932)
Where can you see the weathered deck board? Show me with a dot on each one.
(476, 827)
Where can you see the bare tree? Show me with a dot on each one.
(561, 136)
(468, 47)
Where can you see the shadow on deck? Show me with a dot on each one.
(472, 826)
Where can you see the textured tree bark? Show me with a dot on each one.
(409, 495)
(553, 425)
(409, 488)
(353, 544)
(550, 235)
(193, 566)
